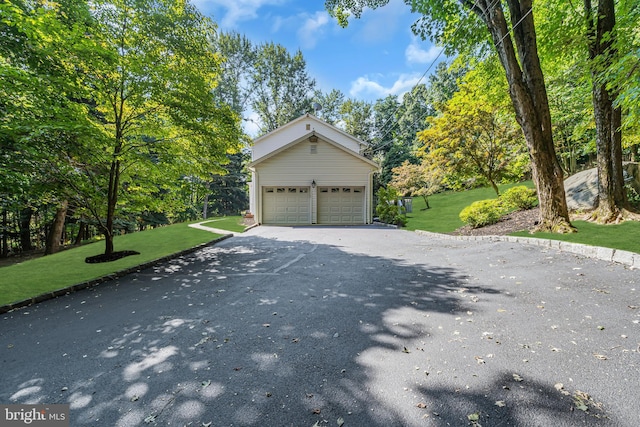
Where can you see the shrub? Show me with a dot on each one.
(388, 210)
(483, 212)
(519, 198)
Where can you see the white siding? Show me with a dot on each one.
(328, 166)
(296, 130)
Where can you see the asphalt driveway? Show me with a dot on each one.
(363, 326)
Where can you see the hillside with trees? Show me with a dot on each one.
(116, 116)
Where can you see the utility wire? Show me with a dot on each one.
(393, 125)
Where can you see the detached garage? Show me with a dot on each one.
(309, 172)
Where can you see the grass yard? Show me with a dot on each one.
(49, 273)
(229, 223)
(617, 236)
(445, 207)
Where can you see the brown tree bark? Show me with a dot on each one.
(55, 232)
(25, 229)
(5, 234)
(529, 97)
(600, 24)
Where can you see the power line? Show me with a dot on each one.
(429, 68)
(385, 133)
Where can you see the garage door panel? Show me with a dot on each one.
(341, 205)
(286, 205)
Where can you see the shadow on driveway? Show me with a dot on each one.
(263, 332)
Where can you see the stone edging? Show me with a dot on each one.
(112, 276)
(627, 258)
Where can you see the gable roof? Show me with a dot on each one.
(312, 117)
(306, 138)
(292, 130)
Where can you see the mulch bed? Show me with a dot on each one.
(515, 221)
(111, 257)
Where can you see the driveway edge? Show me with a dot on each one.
(630, 259)
(109, 277)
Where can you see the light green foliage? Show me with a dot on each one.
(483, 212)
(388, 209)
(417, 180)
(128, 101)
(474, 138)
(519, 198)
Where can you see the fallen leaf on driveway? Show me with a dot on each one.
(500, 403)
(316, 411)
(340, 422)
(600, 356)
(405, 350)
(421, 405)
(517, 378)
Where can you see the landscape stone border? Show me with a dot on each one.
(109, 277)
(630, 259)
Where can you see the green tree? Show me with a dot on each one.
(331, 103)
(601, 41)
(421, 180)
(138, 95)
(471, 139)
(457, 25)
(358, 119)
(238, 57)
(283, 90)
(229, 194)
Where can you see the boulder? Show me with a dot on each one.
(582, 188)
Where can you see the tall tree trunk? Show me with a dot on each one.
(611, 195)
(54, 237)
(529, 97)
(5, 237)
(112, 201)
(82, 231)
(25, 229)
(205, 205)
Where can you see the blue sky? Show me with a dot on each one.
(375, 56)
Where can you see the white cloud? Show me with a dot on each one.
(416, 55)
(312, 29)
(366, 88)
(236, 10)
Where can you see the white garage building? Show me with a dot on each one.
(310, 172)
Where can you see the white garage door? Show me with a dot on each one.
(286, 205)
(341, 205)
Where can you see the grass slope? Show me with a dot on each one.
(46, 274)
(445, 207)
(443, 217)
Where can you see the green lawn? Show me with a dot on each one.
(445, 207)
(617, 236)
(46, 274)
(443, 217)
(230, 223)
